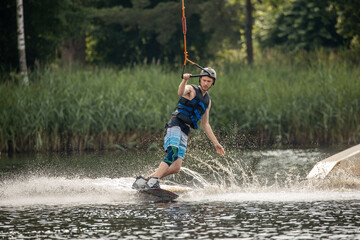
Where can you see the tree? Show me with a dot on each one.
(48, 24)
(300, 24)
(21, 41)
(120, 32)
(222, 21)
(144, 31)
(248, 31)
(348, 22)
(152, 30)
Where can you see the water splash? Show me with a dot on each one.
(241, 178)
(276, 175)
(38, 190)
(197, 177)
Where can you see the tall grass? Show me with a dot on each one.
(311, 98)
(276, 101)
(66, 109)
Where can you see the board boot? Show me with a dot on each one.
(152, 183)
(140, 183)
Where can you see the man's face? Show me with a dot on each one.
(206, 82)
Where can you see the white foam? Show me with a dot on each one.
(59, 191)
(284, 196)
(43, 190)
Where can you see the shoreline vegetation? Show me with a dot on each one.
(307, 99)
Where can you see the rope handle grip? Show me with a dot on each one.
(200, 75)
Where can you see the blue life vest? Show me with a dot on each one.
(191, 111)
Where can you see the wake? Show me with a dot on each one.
(276, 175)
(60, 191)
(40, 190)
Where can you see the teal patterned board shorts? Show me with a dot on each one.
(176, 138)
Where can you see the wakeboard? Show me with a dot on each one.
(159, 194)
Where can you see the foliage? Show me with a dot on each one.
(301, 24)
(47, 24)
(81, 108)
(152, 30)
(8, 34)
(348, 23)
(224, 20)
(307, 98)
(121, 32)
(124, 32)
(302, 98)
(127, 35)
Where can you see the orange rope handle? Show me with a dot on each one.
(184, 30)
(183, 20)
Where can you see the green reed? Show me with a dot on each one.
(83, 108)
(294, 102)
(273, 102)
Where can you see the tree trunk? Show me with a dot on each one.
(21, 41)
(73, 51)
(248, 31)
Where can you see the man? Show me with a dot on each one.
(194, 104)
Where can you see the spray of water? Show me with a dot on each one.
(238, 175)
(40, 190)
(256, 176)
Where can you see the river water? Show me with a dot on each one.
(245, 195)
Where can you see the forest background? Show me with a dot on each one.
(104, 74)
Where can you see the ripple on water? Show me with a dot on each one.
(43, 207)
(261, 220)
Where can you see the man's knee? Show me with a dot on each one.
(176, 169)
(172, 155)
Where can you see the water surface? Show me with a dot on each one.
(246, 195)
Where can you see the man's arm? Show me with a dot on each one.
(183, 89)
(209, 132)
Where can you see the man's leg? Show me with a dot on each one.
(175, 144)
(165, 170)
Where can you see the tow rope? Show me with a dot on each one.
(183, 20)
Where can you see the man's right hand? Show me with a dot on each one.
(220, 150)
(186, 76)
